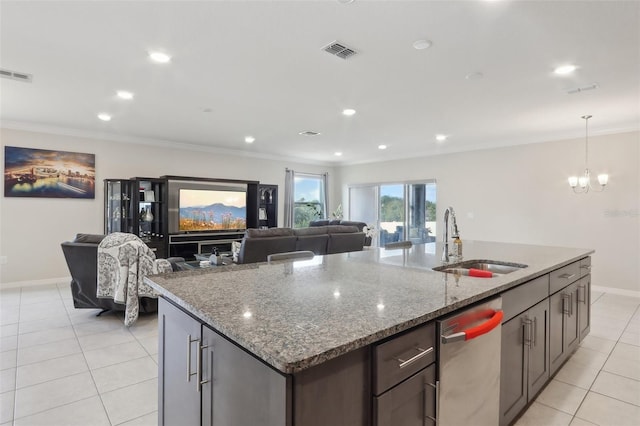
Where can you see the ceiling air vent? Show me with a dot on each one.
(582, 89)
(20, 76)
(309, 133)
(339, 50)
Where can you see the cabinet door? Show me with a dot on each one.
(178, 393)
(572, 336)
(584, 306)
(558, 305)
(411, 403)
(238, 389)
(538, 368)
(513, 365)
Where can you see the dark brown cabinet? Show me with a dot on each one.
(564, 325)
(178, 389)
(267, 206)
(404, 379)
(411, 403)
(204, 379)
(233, 380)
(137, 206)
(524, 359)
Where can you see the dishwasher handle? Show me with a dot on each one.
(494, 320)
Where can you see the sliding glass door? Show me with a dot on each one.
(398, 211)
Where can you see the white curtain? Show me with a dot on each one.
(289, 184)
(325, 184)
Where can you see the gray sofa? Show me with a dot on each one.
(257, 244)
(359, 225)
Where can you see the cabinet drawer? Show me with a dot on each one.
(403, 356)
(411, 403)
(521, 298)
(585, 266)
(560, 278)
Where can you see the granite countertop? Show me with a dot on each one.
(295, 315)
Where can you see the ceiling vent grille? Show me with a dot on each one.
(339, 50)
(13, 75)
(309, 133)
(582, 89)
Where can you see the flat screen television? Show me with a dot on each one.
(212, 210)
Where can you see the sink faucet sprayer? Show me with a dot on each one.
(455, 233)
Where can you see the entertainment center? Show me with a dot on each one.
(183, 216)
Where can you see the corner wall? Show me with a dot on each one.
(520, 194)
(31, 229)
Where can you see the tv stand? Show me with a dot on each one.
(187, 245)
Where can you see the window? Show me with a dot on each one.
(307, 198)
(399, 211)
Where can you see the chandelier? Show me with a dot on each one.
(582, 184)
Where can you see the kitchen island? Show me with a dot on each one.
(308, 332)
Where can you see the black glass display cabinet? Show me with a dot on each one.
(138, 206)
(267, 206)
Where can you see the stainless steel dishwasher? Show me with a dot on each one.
(468, 392)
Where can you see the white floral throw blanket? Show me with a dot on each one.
(123, 262)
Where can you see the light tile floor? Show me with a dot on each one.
(62, 366)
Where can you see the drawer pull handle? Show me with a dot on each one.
(567, 276)
(422, 352)
(587, 267)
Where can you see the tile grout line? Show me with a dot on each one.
(600, 370)
(93, 380)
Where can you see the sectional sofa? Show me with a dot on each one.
(257, 244)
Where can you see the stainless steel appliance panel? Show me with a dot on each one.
(469, 366)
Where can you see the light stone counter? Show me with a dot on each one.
(297, 315)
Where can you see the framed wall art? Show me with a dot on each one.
(44, 173)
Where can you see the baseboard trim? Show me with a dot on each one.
(613, 290)
(33, 283)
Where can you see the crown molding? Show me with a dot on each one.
(105, 136)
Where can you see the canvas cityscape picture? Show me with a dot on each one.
(32, 172)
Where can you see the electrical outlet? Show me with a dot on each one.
(3, 260)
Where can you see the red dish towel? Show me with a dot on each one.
(480, 273)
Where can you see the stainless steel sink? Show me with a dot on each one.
(495, 266)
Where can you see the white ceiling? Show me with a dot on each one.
(260, 69)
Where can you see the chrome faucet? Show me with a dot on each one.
(445, 235)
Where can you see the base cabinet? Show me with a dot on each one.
(233, 380)
(411, 403)
(524, 359)
(178, 392)
(564, 325)
(204, 379)
(584, 306)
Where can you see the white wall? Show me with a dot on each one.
(31, 229)
(520, 194)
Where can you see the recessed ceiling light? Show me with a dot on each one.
(474, 76)
(309, 133)
(565, 69)
(348, 112)
(441, 138)
(249, 139)
(337, 154)
(382, 147)
(104, 116)
(345, 1)
(159, 57)
(422, 44)
(123, 94)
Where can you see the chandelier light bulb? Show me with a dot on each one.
(583, 181)
(603, 179)
(573, 181)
